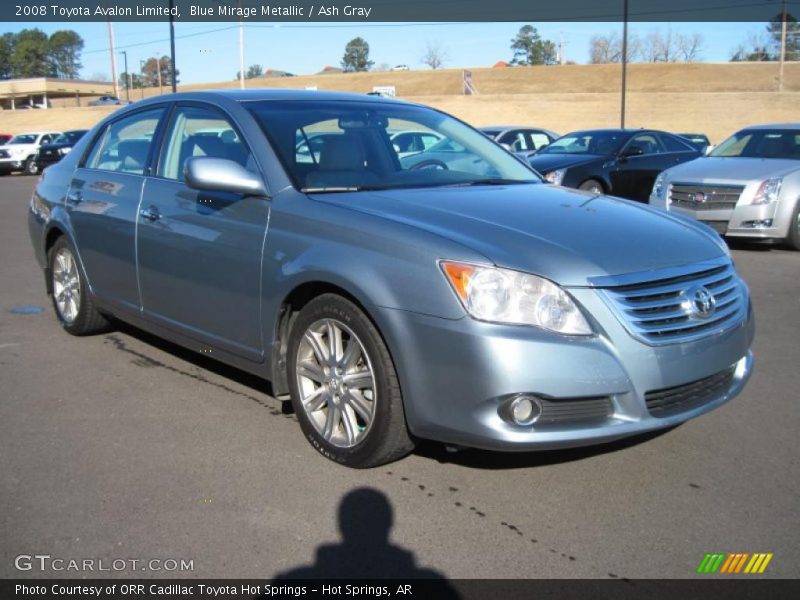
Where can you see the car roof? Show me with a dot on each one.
(37, 133)
(276, 94)
(505, 127)
(773, 126)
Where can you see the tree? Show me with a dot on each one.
(136, 81)
(608, 48)
(65, 49)
(530, 49)
(756, 48)
(252, 72)
(7, 43)
(151, 68)
(434, 55)
(30, 57)
(690, 46)
(356, 56)
(792, 37)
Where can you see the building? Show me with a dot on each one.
(46, 92)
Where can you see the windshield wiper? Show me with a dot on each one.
(329, 190)
(490, 181)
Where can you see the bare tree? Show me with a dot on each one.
(434, 55)
(755, 48)
(608, 48)
(689, 46)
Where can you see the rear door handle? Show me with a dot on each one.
(75, 197)
(150, 213)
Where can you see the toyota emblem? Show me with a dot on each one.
(702, 302)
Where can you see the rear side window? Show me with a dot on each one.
(125, 144)
(674, 144)
(200, 131)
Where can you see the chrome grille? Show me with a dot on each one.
(672, 400)
(4, 154)
(575, 410)
(659, 309)
(704, 197)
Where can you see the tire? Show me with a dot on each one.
(30, 167)
(350, 406)
(72, 301)
(793, 239)
(592, 185)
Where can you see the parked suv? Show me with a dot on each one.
(61, 146)
(747, 187)
(469, 304)
(19, 153)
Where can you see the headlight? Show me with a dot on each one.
(768, 191)
(512, 297)
(555, 177)
(64, 151)
(658, 186)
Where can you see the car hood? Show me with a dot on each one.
(12, 146)
(549, 162)
(708, 169)
(564, 235)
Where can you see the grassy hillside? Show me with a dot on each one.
(713, 98)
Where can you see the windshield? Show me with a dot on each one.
(329, 146)
(23, 138)
(761, 143)
(587, 142)
(70, 137)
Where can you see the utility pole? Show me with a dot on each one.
(158, 70)
(113, 53)
(127, 77)
(172, 48)
(783, 47)
(624, 63)
(241, 50)
(141, 76)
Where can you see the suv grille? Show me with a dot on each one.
(672, 400)
(664, 310)
(704, 197)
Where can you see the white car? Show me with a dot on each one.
(400, 68)
(19, 153)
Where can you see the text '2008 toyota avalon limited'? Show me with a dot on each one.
(391, 300)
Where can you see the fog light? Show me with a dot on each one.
(525, 410)
(758, 224)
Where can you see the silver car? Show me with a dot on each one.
(477, 305)
(747, 187)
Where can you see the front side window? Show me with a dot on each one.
(601, 143)
(647, 142)
(761, 143)
(348, 145)
(539, 140)
(124, 144)
(199, 131)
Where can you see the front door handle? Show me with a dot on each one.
(150, 213)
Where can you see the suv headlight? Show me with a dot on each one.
(555, 177)
(512, 297)
(768, 191)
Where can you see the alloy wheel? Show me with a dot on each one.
(66, 285)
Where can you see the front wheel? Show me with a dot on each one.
(31, 168)
(591, 185)
(794, 229)
(71, 299)
(344, 386)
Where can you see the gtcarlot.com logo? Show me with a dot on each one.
(45, 562)
(734, 563)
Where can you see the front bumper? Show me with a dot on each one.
(760, 222)
(8, 165)
(456, 374)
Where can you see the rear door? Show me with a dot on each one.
(633, 176)
(103, 202)
(199, 253)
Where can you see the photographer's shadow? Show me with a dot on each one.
(365, 520)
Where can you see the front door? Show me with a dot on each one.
(103, 201)
(633, 176)
(200, 252)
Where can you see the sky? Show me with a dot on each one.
(208, 52)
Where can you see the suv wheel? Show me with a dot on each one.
(31, 168)
(344, 386)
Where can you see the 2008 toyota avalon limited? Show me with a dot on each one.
(391, 301)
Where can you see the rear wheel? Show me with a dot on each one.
(71, 299)
(591, 185)
(794, 229)
(31, 168)
(344, 386)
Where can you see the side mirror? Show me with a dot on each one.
(632, 151)
(222, 175)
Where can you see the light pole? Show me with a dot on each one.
(127, 77)
(172, 48)
(783, 47)
(624, 63)
(141, 75)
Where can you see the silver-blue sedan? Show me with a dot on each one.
(477, 306)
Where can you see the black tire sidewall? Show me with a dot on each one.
(335, 307)
(590, 183)
(793, 239)
(77, 326)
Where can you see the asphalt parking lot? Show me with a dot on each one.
(121, 446)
